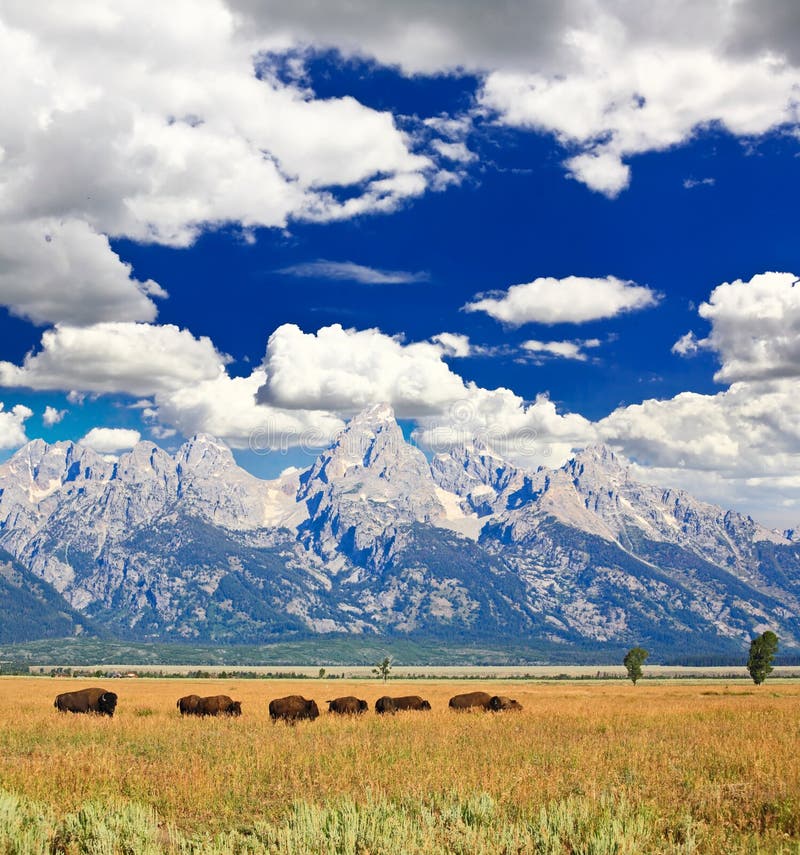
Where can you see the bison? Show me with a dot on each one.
(188, 705)
(500, 703)
(471, 700)
(87, 701)
(408, 702)
(347, 706)
(384, 705)
(218, 705)
(292, 708)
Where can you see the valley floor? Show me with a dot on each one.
(595, 767)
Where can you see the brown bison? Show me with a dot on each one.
(500, 703)
(384, 705)
(347, 706)
(292, 708)
(87, 701)
(217, 705)
(470, 701)
(393, 705)
(188, 705)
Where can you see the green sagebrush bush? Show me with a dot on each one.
(437, 826)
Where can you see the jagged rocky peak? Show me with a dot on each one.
(213, 484)
(31, 455)
(371, 445)
(205, 454)
(598, 465)
(45, 466)
(367, 483)
(472, 464)
(375, 437)
(145, 460)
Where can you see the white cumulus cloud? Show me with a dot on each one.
(226, 407)
(574, 299)
(153, 131)
(126, 358)
(344, 370)
(687, 345)
(156, 122)
(454, 345)
(110, 440)
(623, 92)
(186, 377)
(12, 425)
(738, 448)
(52, 416)
(755, 327)
(601, 171)
(62, 270)
(561, 349)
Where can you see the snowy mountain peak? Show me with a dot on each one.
(375, 415)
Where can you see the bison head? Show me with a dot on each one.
(312, 710)
(363, 706)
(235, 708)
(107, 703)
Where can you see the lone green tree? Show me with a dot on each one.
(633, 661)
(762, 651)
(383, 668)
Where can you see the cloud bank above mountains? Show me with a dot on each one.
(739, 443)
(114, 129)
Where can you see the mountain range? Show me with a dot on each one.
(374, 538)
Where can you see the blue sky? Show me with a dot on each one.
(254, 221)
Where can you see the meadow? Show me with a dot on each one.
(587, 767)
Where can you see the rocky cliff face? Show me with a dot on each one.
(360, 491)
(375, 538)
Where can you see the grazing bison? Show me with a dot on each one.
(87, 701)
(347, 706)
(218, 705)
(384, 705)
(189, 704)
(471, 700)
(292, 708)
(408, 702)
(499, 703)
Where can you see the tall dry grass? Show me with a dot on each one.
(705, 767)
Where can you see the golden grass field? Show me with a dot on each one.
(714, 767)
